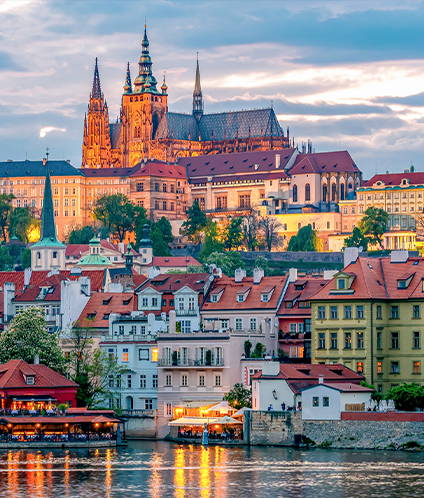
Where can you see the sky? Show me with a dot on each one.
(346, 75)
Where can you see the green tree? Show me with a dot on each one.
(196, 221)
(269, 228)
(233, 233)
(228, 262)
(20, 222)
(250, 229)
(83, 235)
(26, 258)
(166, 229)
(28, 336)
(140, 220)
(407, 396)
(373, 224)
(357, 239)
(211, 242)
(375, 395)
(305, 240)
(247, 348)
(239, 397)
(7, 260)
(116, 213)
(259, 350)
(91, 369)
(5, 210)
(262, 263)
(160, 246)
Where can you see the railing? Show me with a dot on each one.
(139, 413)
(128, 337)
(190, 363)
(186, 312)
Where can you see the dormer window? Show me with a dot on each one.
(30, 380)
(214, 298)
(240, 298)
(264, 298)
(341, 283)
(404, 281)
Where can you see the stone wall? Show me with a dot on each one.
(274, 428)
(310, 256)
(139, 426)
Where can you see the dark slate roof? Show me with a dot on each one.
(35, 168)
(225, 124)
(108, 172)
(115, 135)
(323, 162)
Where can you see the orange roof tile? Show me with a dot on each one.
(12, 376)
(97, 310)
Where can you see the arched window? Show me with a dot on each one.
(307, 192)
(38, 255)
(324, 192)
(294, 193)
(342, 192)
(333, 192)
(54, 254)
(155, 123)
(350, 186)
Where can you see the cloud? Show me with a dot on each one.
(48, 129)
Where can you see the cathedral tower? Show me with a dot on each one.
(96, 148)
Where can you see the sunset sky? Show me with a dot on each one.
(344, 74)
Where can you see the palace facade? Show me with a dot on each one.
(145, 129)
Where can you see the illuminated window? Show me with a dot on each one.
(417, 367)
(125, 355)
(155, 354)
(315, 401)
(360, 367)
(379, 367)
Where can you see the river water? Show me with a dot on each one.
(161, 470)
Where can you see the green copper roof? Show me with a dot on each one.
(95, 260)
(48, 228)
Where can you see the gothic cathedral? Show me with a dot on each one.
(145, 129)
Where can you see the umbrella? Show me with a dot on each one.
(242, 412)
(226, 420)
(220, 407)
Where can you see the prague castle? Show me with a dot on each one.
(145, 129)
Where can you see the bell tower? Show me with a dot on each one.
(96, 147)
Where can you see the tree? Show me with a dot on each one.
(376, 396)
(160, 246)
(83, 235)
(116, 213)
(250, 229)
(5, 210)
(247, 348)
(140, 220)
(407, 396)
(28, 336)
(239, 397)
(6, 259)
(20, 222)
(211, 242)
(228, 262)
(262, 263)
(269, 228)
(196, 222)
(26, 258)
(305, 240)
(357, 239)
(259, 350)
(233, 233)
(91, 369)
(373, 224)
(166, 229)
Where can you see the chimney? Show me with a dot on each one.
(153, 272)
(172, 322)
(27, 276)
(292, 275)
(399, 256)
(329, 274)
(350, 255)
(9, 295)
(270, 368)
(239, 275)
(36, 360)
(258, 274)
(321, 379)
(277, 161)
(44, 161)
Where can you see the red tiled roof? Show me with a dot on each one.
(395, 179)
(297, 372)
(53, 283)
(312, 285)
(96, 277)
(181, 261)
(159, 168)
(172, 282)
(97, 310)
(348, 387)
(228, 299)
(12, 376)
(323, 162)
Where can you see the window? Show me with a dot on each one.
(168, 380)
(214, 298)
(217, 380)
(180, 303)
(416, 311)
(333, 311)
(224, 324)
(395, 340)
(348, 311)
(326, 401)
(155, 354)
(379, 343)
(416, 367)
(111, 381)
(168, 410)
(201, 380)
(121, 330)
(185, 326)
(239, 323)
(293, 328)
(145, 302)
(294, 193)
(164, 205)
(156, 187)
(221, 202)
(253, 324)
(264, 298)
(140, 187)
(315, 401)
(184, 380)
(341, 283)
(360, 367)
(164, 187)
(154, 301)
(111, 354)
(333, 340)
(244, 201)
(394, 312)
(118, 381)
(125, 355)
(379, 312)
(360, 340)
(321, 340)
(307, 192)
(155, 381)
(191, 303)
(129, 381)
(394, 367)
(321, 312)
(133, 329)
(359, 312)
(348, 340)
(416, 340)
(143, 382)
(148, 404)
(30, 380)
(379, 367)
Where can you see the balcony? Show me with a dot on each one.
(128, 338)
(189, 363)
(139, 413)
(186, 312)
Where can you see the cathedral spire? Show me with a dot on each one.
(96, 91)
(197, 94)
(145, 81)
(128, 85)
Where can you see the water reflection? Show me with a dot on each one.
(162, 470)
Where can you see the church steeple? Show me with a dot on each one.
(48, 230)
(128, 85)
(197, 95)
(145, 81)
(96, 91)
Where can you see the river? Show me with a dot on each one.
(161, 470)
